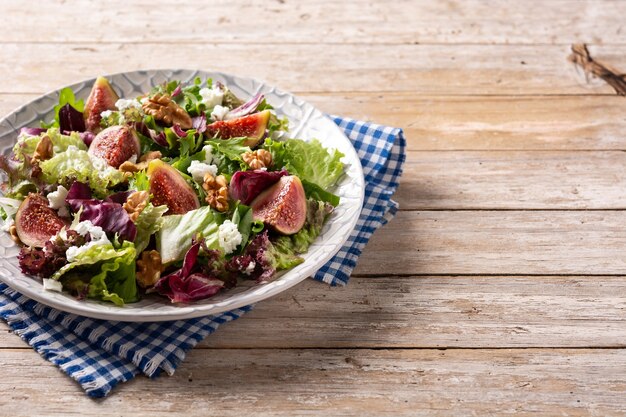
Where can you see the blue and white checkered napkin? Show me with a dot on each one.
(99, 354)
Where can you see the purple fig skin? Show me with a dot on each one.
(169, 188)
(35, 222)
(116, 144)
(102, 97)
(282, 206)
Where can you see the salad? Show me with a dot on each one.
(182, 191)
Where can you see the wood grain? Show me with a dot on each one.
(424, 69)
(493, 242)
(341, 383)
(513, 180)
(472, 123)
(352, 21)
(430, 312)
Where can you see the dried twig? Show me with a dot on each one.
(580, 56)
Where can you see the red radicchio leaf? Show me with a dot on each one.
(109, 215)
(184, 285)
(199, 123)
(179, 131)
(87, 137)
(158, 138)
(32, 131)
(246, 185)
(177, 91)
(260, 251)
(246, 108)
(70, 119)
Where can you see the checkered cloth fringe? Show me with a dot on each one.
(99, 354)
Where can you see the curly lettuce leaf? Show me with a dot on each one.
(112, 270)
(310, 161)
(26, 144)
(227, 154)
(76, 165)
(317, 212)
(176, 233)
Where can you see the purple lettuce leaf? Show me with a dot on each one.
(158, 138)
(177, 91)
(179, 131)
(45, 262)
(191, 282)
(199, 123)
(259, 252)
(32, 131)
(78, 191)
(70, 119)
(108, 214)
(119, 197)
(246, 108)
(246, 185)
(87, 137)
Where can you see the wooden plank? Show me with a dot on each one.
(426, 69)
(352, 21)
(496, 242)
(473, 123)
(430, 312)
(340, 383)
(513, 180)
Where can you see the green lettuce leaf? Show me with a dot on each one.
(76, 164)
(317, 212)
(310, 161)
(174, 237)
(148, 222)
(227, 154)
(112, 273)
(26, 144)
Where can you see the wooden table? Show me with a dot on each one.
(499, 288)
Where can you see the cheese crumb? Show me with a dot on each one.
(228, 236)
(211, 97)
(198, 169)
(56, 200)
(219, 112)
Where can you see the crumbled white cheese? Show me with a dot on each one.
(208, 154)
(133, 159)
(98, 237)
(56, 200)
(198, 169)
(250, 268)
(123, 104)
(219, 112)
(228, 236)
(101, 165)
(62, 234)
(106, 114)
(211, 97)
(52, 285)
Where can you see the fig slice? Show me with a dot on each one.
(116, 144)
(102, 97)
(168, 187)
(252, 126)
(35, 222)
(282, 206)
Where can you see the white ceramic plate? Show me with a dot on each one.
(306, 122)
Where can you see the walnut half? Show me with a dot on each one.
(216, 191)
(128, 167)
(257, 159)
(149, 268)
(163, 109)
(135, 203)
(43, 150)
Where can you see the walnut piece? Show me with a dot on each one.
(135, 203)
(216, 191)
(13, 233)
(43, 150)
(257, 159)
(149, 268)
(163, 109)
(129, 167)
